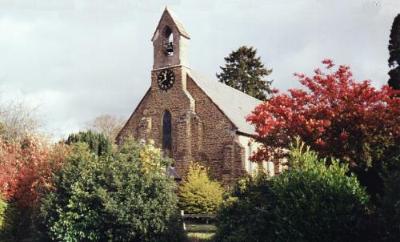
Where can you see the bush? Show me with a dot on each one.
(198, 194)
(26, 172)
(17, 223)
(110, 198)
(239, 217)
(3, 206)
(389, 209)
(310, 202)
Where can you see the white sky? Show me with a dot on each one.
(77, 59)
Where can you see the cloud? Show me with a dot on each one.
(82, 58)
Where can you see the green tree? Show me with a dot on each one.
(245, 71)
(394, 54)
(312, 201)
(198, 194)
(110, 198)
(98, 143)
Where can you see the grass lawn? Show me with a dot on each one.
(200, 237)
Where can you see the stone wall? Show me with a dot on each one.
(200, 131)
(220, 146)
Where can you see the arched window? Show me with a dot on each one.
(168, 41)
(166, 132)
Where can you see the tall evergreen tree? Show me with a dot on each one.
(394, 52)
(245, 71)
(98, 143)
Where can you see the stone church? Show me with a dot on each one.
(190, 117)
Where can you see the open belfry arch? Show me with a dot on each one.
(189, 117)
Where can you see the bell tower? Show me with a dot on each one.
(170, 41)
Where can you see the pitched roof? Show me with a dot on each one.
(235, 104)
(178, 24)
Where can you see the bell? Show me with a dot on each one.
(169, 49)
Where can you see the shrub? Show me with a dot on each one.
(17, 223)
(26, 171)
(239, 218)
(389, 209)
(198, 194)
(111, 198)
(310, 202)
(3, 206)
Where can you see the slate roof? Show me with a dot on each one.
(178, 24)
(235, 104)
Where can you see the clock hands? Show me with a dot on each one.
(166, 79)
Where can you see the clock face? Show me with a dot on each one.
(166, 79)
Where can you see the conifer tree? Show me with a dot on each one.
(245, 71)
(98, 143)
(394, 54)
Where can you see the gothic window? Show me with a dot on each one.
(168, 41)
(166, 131)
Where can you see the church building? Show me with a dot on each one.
(190, 117)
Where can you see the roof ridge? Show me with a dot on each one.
(227, 86)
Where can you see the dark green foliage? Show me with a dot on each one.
(110, 198)
(245, 71)
(310, 202)
(98, 143)
(389, 210)
(243, 217)
(17, 224)
(394, 54)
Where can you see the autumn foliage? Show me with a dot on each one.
(26, 169)
(334, 114)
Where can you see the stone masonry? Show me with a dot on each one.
(203, 128)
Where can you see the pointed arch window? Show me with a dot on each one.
(168, 41)
(166, 132)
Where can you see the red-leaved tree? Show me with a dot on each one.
(333, 114)
(26, 169)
